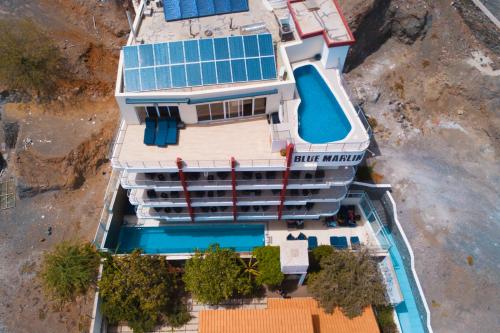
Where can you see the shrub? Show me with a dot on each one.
(268, 263)
(349, 280)
(385, 319)
(215, 276)
(143, 291)
(29, 60)
(69, 270)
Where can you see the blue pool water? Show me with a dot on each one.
(321, 118)
(407, 311)
(186, 239)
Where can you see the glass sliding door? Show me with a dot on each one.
(231, 109)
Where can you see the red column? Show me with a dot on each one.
(182, 176)
(233, 183)
(286, 173)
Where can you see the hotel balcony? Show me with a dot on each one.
(245, 213)
(151, 198)
(244, 180)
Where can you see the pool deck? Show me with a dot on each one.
(276, 232)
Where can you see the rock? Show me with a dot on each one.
(374, 97)
(460, 112)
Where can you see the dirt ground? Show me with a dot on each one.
(436, 104)
(60, 161)
(427, 72)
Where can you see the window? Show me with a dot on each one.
(141, 113)
(152, 112)
(163, 111)
(203, 112)
(217, 111)
(174, 112)
(259, 106)
(247, 107)
(231, 109)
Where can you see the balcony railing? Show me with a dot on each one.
(272, 213)
(140, 197)
(339, 176)
(305, 147)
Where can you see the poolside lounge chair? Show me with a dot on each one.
(339, 242)
(312, 242)
(161, 133)
(290, 237)
(355, 244)
(172, 132)
(150, 132)
(301, 237)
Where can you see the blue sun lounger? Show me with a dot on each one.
(172, 132)
(301, 236)
(339, 242)
(355, 244)
(290, 237)
(312, 242)
(161, 133)
(150, 132)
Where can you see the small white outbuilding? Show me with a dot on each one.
(294, 258)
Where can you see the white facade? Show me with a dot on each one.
(230, 162)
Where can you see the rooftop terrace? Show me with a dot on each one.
(154, 28)
(206, 145)
(316, 17)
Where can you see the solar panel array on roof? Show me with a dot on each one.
(200, 62)
(185, 9)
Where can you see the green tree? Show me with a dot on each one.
(69, 270)
(349, 280)
(29, 59)
(142, 290)
(268, 259)
(316, 255)
(215, 275)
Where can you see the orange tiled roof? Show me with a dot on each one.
(324, 322)
(256, 321)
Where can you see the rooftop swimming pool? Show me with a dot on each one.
(188, 238)
(321, 118)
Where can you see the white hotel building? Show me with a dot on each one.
(241, 150)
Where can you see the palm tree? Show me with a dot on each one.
(249, 268)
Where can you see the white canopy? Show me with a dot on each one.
(294, 257)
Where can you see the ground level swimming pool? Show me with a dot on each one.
(321, 118)
(188, 238)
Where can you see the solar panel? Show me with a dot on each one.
(190, 63)
(185, 9)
